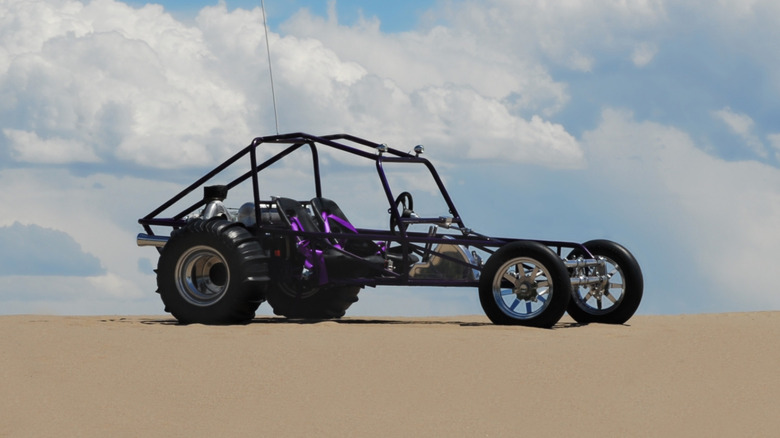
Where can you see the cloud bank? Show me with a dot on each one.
(651, 123)
(103, 82)
(34, 250)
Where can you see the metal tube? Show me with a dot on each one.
(582, 263)
(583, 280)
(147, 240)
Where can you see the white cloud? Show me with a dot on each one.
(437, 57)
(643, 54)
(440, 86)
(486, 129)
(569, 34)
(117, 286)
(106, 80)
(724, 214)
(34, 250)
(774, 142)
(29, 148)
(740, 124)
(99, 213)
(743, 126)
(69, 295)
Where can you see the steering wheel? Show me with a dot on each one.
(405, 200)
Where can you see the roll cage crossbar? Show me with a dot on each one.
(410, 242)
(296, 141)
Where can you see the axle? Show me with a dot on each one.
(578, 278)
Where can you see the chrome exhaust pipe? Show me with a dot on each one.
(147, 240)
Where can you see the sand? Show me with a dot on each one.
(687, 375)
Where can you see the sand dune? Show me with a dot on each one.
(700, 375)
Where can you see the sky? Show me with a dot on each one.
(651, 123)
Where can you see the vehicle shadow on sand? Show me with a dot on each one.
(271, 320)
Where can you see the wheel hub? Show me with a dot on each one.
(202, 276)
(526, 290)
(597, 290)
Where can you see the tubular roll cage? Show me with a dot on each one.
(421, 243)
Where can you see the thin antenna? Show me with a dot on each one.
(270, 70)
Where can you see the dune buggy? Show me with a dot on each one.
(308, 260)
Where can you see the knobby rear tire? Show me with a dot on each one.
(212, 272)
(326, 302)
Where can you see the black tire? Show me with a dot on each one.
(623, 289)
(212, 272)
(325, 302)
(540, 284)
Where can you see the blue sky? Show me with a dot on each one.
(650, 123)
(398, 16)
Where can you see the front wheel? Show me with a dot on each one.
(524, 283)
(614, 299)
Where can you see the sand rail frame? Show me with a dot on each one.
(531, 267)
(413, 241)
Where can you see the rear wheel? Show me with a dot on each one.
(524, 283)
(212, 272)
(615, 299)
(323, 302)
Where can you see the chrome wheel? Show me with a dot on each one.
(615, 285)
(202, 276)
(602, 297)
(521, 288)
